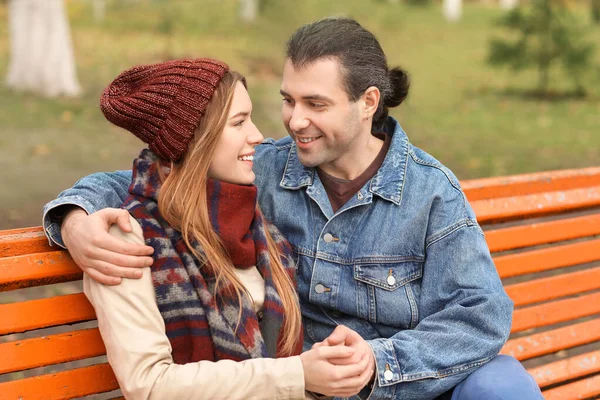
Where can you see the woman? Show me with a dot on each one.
(216, 316)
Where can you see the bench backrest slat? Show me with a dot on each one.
(62, 385)
(563, 370)
(554, 287)
(45, 313)
(555, 312)
(542, 233)
(587, 388)
(16, 242)
(48, 350)
(543, 343)
(535, 204)
(546, 259)
(37, 270)
(524, 184)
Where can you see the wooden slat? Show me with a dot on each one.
(519, 185)
(584, 389)
(535, 204)
(551, 341)
(43, 313)
(555, 312)
(549, 258)
(16, 242)
(47, 350)
(542, 233)
(554, 287)
(37, 270)
(62, 385)
(564, 370)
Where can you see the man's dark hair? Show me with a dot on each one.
(362, 61)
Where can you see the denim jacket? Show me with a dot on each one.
(403, 263)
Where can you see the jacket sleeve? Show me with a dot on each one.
(92, 193)
(465, 319)
(139, 351)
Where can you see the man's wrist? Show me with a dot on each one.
(69, 216)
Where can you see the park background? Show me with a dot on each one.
(476, 119)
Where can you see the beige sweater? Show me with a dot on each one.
(139, 351)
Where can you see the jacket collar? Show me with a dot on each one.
(387, 182)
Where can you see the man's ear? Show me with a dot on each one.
(371, 98)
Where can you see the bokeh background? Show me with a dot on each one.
(477, 118)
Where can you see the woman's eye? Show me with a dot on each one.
(240, 123)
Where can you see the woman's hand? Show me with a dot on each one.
(322, 376)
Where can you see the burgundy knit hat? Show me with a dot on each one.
(162, 104)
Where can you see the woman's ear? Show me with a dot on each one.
(371, 98)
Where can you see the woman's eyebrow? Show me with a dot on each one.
(240, 114)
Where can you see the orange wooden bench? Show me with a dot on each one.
(543, 230)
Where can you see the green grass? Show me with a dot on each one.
(467, 114)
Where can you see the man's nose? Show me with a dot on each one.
(298, 121)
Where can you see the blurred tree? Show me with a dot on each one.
(509, 4)
(99, 7)
(452, 9)
(548, 34)
(596, 11)
(169, 13)
(41, 56)
(416, 2)
(249, 10)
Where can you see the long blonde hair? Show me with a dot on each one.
(182, 202)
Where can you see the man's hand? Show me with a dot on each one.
(344, 336)
(321, 376)
(103, 257)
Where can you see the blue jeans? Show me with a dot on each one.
(503, 378)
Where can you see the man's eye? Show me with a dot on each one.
(287, 101)
(317, 105)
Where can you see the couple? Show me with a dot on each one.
(399, 297)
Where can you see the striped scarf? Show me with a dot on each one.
(199, 324)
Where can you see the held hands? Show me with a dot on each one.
(103, 257)
(345, 364)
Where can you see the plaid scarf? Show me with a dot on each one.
(200, 324)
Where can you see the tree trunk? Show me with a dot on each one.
(248, 10)
(99, 7)
(42, 59)
(452, 9)
(509, 4)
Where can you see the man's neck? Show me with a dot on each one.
(355, 162)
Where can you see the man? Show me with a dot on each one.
(390, 257)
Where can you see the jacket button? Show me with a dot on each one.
(391, 280)
(319, 288)
(328, 237)
(388, 375)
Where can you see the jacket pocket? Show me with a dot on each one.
(391, 291)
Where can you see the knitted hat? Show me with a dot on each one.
(162, 104)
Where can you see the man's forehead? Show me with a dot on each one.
(318, 76)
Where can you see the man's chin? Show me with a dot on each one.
(307, 161)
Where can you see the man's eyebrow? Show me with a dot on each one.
(240, 114)
(310, 97)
